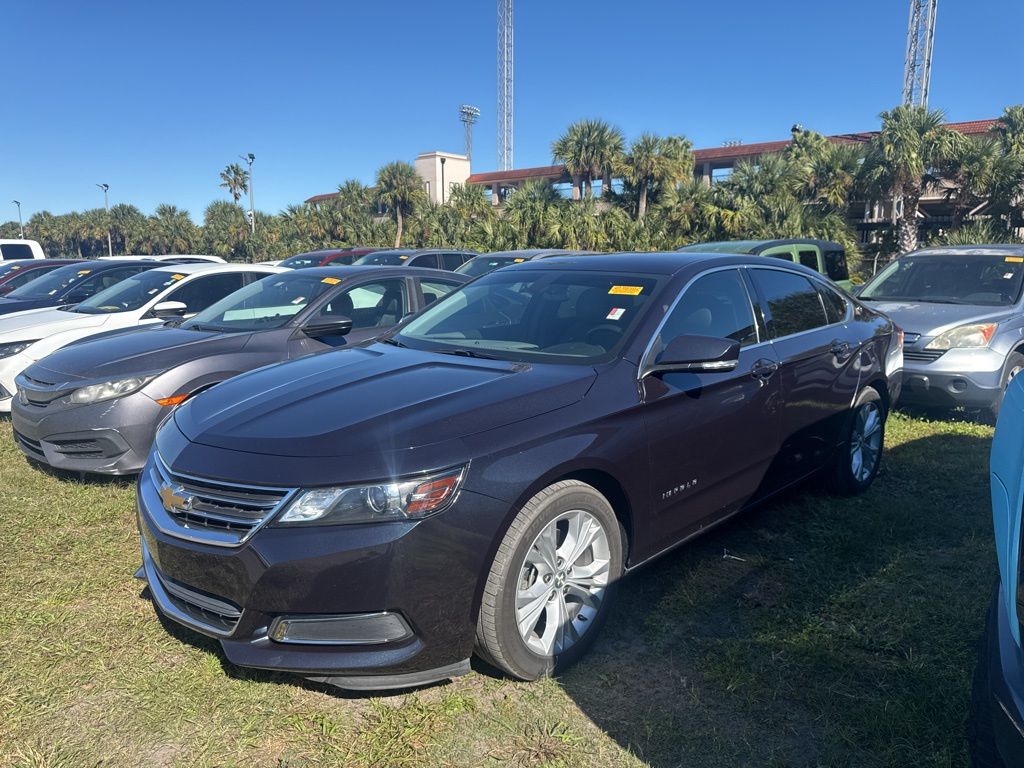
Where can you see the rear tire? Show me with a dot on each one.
(549, 590)
(859, 455)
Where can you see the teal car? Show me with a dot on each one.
(823, 256)
(996, 727)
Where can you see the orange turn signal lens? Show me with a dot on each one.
(173, 400)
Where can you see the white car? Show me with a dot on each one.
(184, 258)
(148, 298)
(20, 249)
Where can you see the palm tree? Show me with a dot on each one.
(235, 179)
(532, 211)
(590, 149)
(1009, 128)
(399, 190)
(903, 159)
(224, 230)
(172, 231)
(652, 161)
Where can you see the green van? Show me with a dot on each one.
(822, 256)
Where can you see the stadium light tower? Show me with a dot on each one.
(469, 114)
(917, 68)
(504, 85)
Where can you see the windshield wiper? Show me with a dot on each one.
(463, 352)
(393, 342)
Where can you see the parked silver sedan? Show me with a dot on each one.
(962, 312)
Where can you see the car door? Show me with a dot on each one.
(711, 436)
(374, 306)
(817, 354)
(200, 292)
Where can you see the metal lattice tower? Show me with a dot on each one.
(917, 70)
(504, 85)
(469, 114)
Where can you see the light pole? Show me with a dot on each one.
(252, 206)
(106, 206)
(21, 227)
(442, 181)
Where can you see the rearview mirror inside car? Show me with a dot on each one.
(336, 326)
(170, 309)
(697, 354)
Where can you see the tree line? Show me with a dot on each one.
(804, 191)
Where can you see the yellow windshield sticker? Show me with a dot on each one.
(177, 277)
(1015, 259)
(331, 280)
(84, 271)
(403, 258)
(15, 267)
(626, 290)
(517, 261)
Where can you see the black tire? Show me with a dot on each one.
(842, 479)
(981, 737)
(498, 639)
(1014, 365)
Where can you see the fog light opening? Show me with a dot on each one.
(958, 386)
(347, 629)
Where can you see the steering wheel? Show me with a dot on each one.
(604, 327)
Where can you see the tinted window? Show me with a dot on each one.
(809, 259)
(434, 289)
(267, 303)
(784, 255)
(16, 251)
(534, 315)
(301, 262)
(793, 302)
(54, 284)
(714, 305)
(202, 292)
(384, 258)
(835, 305)
(953, 279)
(428, 260)
(128, 294)
(481, 265)
(835, 265)
(452, 261)
(381, 303)
(24, 276)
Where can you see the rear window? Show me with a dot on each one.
(835, 265)
(16, 251)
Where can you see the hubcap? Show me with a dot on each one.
(866, 441)
(562, 582)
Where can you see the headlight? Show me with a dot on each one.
(964, 337)
(400, 500)
(6, 350)
(108, 390)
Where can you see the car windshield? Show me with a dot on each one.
(7, 267)
(302, 261)
(383, 258)
(534, 315)
(482, 265)
(53, 284)
(131, 293)
(264, 304)
(982, 280)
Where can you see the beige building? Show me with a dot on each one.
(441, 173)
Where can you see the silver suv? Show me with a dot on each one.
(961, 310)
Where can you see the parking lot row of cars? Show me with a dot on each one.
(365, 471)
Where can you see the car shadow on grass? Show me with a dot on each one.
(811, 630)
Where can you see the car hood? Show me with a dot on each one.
(930, 319)
(374, 400)
(134, 351)
(7, 306)
(41, 323)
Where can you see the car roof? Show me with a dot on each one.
(98, 264)
(419, 251)
(190, 269)
(534, 253)
(755, 246)
(362, 270)
(993, 249)
(656, 263)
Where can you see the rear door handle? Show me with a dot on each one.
(764, 369)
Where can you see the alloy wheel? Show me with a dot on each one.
(866, 441)
(562, 582)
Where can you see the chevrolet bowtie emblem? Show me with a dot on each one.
(173, 498)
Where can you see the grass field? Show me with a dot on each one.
(835, 633)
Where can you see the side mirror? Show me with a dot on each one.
(336, 326)
(167, 309)
(697, 354)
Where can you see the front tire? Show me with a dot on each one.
(860, 454)
(552, 582)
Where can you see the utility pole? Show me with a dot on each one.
(917, 67)
(106, 206)
(505, 85)
(21, 227)
(252, 206)
(442, 179)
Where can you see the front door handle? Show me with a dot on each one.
(841, 349)
(764, 369)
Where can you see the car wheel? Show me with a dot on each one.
(552, 582)
(981, 739)
(860, 453)
(1014, 365)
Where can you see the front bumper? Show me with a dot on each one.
(959, 377)
(429, 573)
(1006, 683)
(10, 367)
(76, 438)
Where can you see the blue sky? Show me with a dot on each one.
(156, 98)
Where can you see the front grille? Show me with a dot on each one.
(40, 393)
(32, 447)
(923, 355)
(214, 612)
(215, 505)
(80, 448)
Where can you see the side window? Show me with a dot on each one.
(16, 251)
(201, 292)
(452, 261)
(809, 259)
(426, 260)
(835, 305)
(714, 305)
(835, 265)
(370, 305)
(103, 280)
(435, 289)
(785, 254)
(26, 276)
(793, 303)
